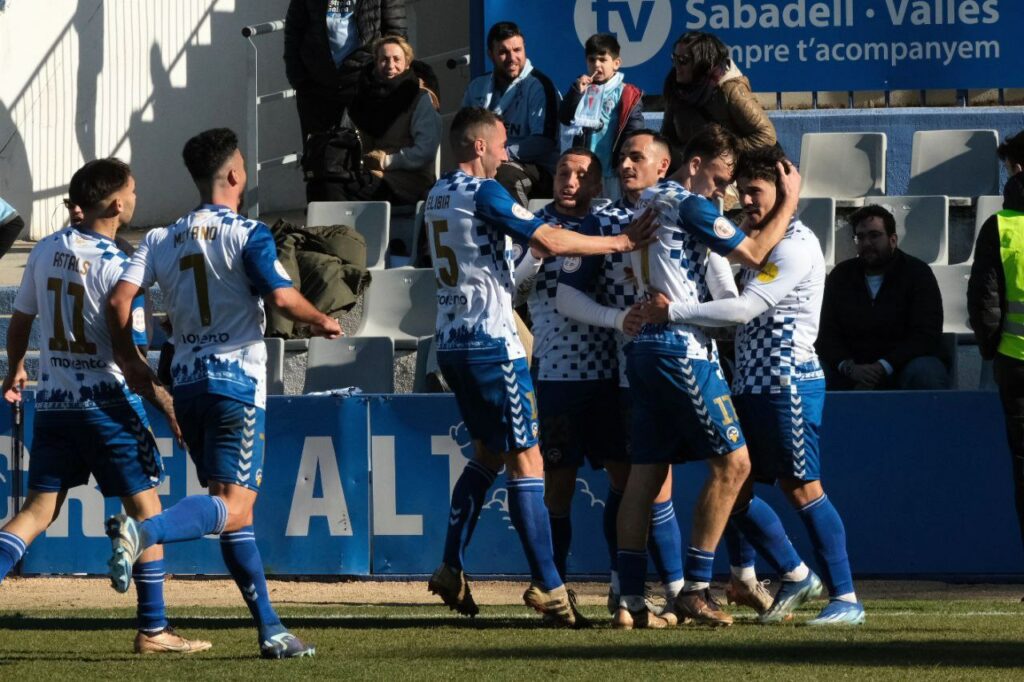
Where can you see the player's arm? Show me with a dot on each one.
(265, 273)
(576, 282)
(752, 251)
(17, 345)
(553, 241)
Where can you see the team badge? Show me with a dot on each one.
(723, 228)
(768, 273)
(279, 269)
(139, 320)
(521, 213)
(517, 251)
(733, 434)
(571, 263)
(259, 477)
(534, 428)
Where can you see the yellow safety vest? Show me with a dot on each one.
(1011, 252)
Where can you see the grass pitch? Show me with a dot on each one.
(934, 639)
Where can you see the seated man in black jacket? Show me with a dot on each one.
(881, 320)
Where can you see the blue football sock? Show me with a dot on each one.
(611, 520)
(561, 539)
(190, 519)
(632, 572)
(242, 558)
(761, 526)
(149, 586)
(530, 519)
(665, 543)
(741, 553)
(829, 539)
(697, 568)
(467, 501)
(12, 548)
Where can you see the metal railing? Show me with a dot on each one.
(253, 162)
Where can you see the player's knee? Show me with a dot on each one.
(801, 493)
(733, 469)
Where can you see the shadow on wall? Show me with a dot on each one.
(88, 24)
(15, 173)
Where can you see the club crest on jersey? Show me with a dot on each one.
(768, 273)
(521, 213)
(733, 434)
(723, 228)
(571, 263)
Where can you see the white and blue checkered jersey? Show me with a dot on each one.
(608, 279)
(214, 266)
(564, 349)
(776, 348)
(68, 278)
(676, 264)
(471, 224)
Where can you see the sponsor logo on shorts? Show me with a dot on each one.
(534, 428)
(571, 263)
(733, 434)
(724, 229)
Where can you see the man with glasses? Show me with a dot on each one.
(881, 321)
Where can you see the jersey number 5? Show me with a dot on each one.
(59, 341)
(196, 263)
(450, 274)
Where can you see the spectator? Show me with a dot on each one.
(11, 225)
(327, 44)
(994, 302)
(610, 110)
(881, 320)
(527, 102)
(704, 87)
(397, 117)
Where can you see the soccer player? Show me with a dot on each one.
(471, 219)
(216, 268)
(681, 405)
(573, 364)
(779, 391)
(600, 290)
(87, 421)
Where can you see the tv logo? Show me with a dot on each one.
(641, 26)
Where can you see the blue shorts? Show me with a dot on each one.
(580, 420)
(226, 438)
(497, 403)
(782, 431)
(114, 445)
(681, 411)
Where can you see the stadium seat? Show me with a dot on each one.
(275, 366)
(952, 281)
(922, 224)
(426, 364)
(537, 204)
(417, 226)
(400, 304)
(985, 207)
(367, 362)
(819, 214)
(372, 219)
(845, 166)
(958, 163)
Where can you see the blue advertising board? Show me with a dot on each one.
(781, 45)
(312, 515)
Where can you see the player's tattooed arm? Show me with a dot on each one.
(159, 397)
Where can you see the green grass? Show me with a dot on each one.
(981, 639)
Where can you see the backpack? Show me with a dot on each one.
(336, 156)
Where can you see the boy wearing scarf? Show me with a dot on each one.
(599, 110)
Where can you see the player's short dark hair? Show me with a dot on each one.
(657, 137)
(466, 123)
(710, 142)
(602, 43)
(759, 164)
(873, 211)
(1012, 149)
(207, 152)
(595, 162)
(502, 31)
(708, 52)
(97, 180)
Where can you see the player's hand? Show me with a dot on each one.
(583, 82)
(634, 321)
(139, 376)
(179, 437)
(788, 183)
(14, 383)
(642, 231)
(655, 309)
(328, 327)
